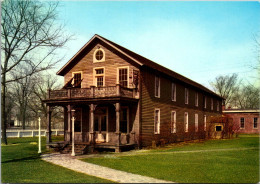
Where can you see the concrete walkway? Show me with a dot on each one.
(72, 163)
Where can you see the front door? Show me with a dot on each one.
(100, 124)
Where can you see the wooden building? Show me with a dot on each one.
(122, 99)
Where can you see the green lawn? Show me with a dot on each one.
(20, 163)
(231, 161)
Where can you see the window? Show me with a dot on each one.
(173, 121)
(196, 122)
(173, 92)
(99, 77)
(205, 102)
(123, 77)
(205, 123)
(123, 119)
(242, 122)
(186, 122)
(255, 122)
(157, 121)
(217, 105)
(218, 128)
(157, 86)
(211, 104)
(186, 96)
(99, 55)
(196, 99)
(100, 81)
(77, 79)
(100, 71)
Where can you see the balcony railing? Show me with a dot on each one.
(92, 92)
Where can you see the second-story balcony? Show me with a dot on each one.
(92, 92)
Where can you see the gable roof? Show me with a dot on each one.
(138, 59)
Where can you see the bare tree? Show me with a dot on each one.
(30, 37)
(257, 50)
(44, 83)
(247, 97)
(22, 90)
(226, 86)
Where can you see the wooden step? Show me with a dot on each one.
(78, 148)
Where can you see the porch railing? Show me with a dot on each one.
(92, 92)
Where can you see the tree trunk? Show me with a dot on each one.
(23, 118)
(3, 112)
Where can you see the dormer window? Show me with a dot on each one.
(99, 55)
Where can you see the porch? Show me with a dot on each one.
(102, 119)
(87, 147)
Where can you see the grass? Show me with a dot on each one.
(20, 163)
(222, 161)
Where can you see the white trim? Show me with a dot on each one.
(173, 95)
(117, 75)
(173, 122)
(94, 56)
(159, 119)
(186, 93)
(196, 99)
(186, 122)
(196, 122)
(205, 122)
(159, 88)
(97, 75)
(241, 111)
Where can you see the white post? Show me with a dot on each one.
(73, 119)
(40, 150)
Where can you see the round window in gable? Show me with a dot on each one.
(99, 55)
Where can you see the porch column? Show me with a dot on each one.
(73, 136)
(48, 132)
(91, 128)
(68, 122)
(118, 126)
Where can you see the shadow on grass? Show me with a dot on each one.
(22, 159)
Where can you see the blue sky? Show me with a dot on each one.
(199, 40)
